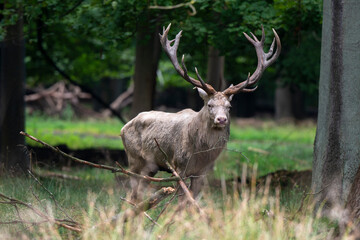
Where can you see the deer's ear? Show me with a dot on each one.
(203, 94)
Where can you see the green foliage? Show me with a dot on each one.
(92, 39)
(300, 23)
(88, 41)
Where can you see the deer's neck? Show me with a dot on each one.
(201, 130)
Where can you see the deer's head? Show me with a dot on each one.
(217, 107)
(218, 103)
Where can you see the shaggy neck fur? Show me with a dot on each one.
(204, 134)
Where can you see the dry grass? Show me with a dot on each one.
(245, 214)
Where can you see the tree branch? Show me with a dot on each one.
(147, 204)
(106, 167)
(188, 4)
(71, 225)
(182, 184)
(39, 30)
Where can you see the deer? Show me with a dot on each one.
(191, 140)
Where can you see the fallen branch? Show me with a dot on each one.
(48, 174)
(149, 203)
(164, 208)
(120, 101)
(110, 168)
(145, 213)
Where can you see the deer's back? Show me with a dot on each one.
(169, 129)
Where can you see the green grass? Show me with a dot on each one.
(76, 134)
(270, 146)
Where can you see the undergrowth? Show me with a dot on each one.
(234, 212)
(245, 212)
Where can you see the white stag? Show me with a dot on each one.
(192, 140)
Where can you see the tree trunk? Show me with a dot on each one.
(283, 104)
(298, 102)
(12, 105)
(215, 69)
(146, 64)
(337, 142)
(289, 102)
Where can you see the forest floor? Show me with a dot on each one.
(259, 189)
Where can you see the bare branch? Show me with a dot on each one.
(71, 225)
(50, 194)
(106, 167)
(188, 4)
(182, 184)
(145, 213)
(147, 204)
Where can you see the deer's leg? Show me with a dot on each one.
(135, 165)
(143, 188)
(196, 185)
(134, 184)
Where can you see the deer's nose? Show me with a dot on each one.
(221, 120)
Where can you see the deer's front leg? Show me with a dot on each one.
(197, 183)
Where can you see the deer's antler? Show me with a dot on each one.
(170, 47)
(264, 60)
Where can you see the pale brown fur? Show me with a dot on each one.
(192, 141)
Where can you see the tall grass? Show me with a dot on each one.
(247, 213)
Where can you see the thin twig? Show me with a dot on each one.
(71, 225)
(145, 213)
(164, 208)
(50, 193)
(152, 179)
(182, 184)
(145, 205)
(101, 166)
(188, 4)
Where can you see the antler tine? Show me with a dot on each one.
(171, 51)
(249, 38)
(270, 53)
(264, 60)
(278, 49)
(186, 76)
(201, 81)
(245, 89)
(254, 37)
